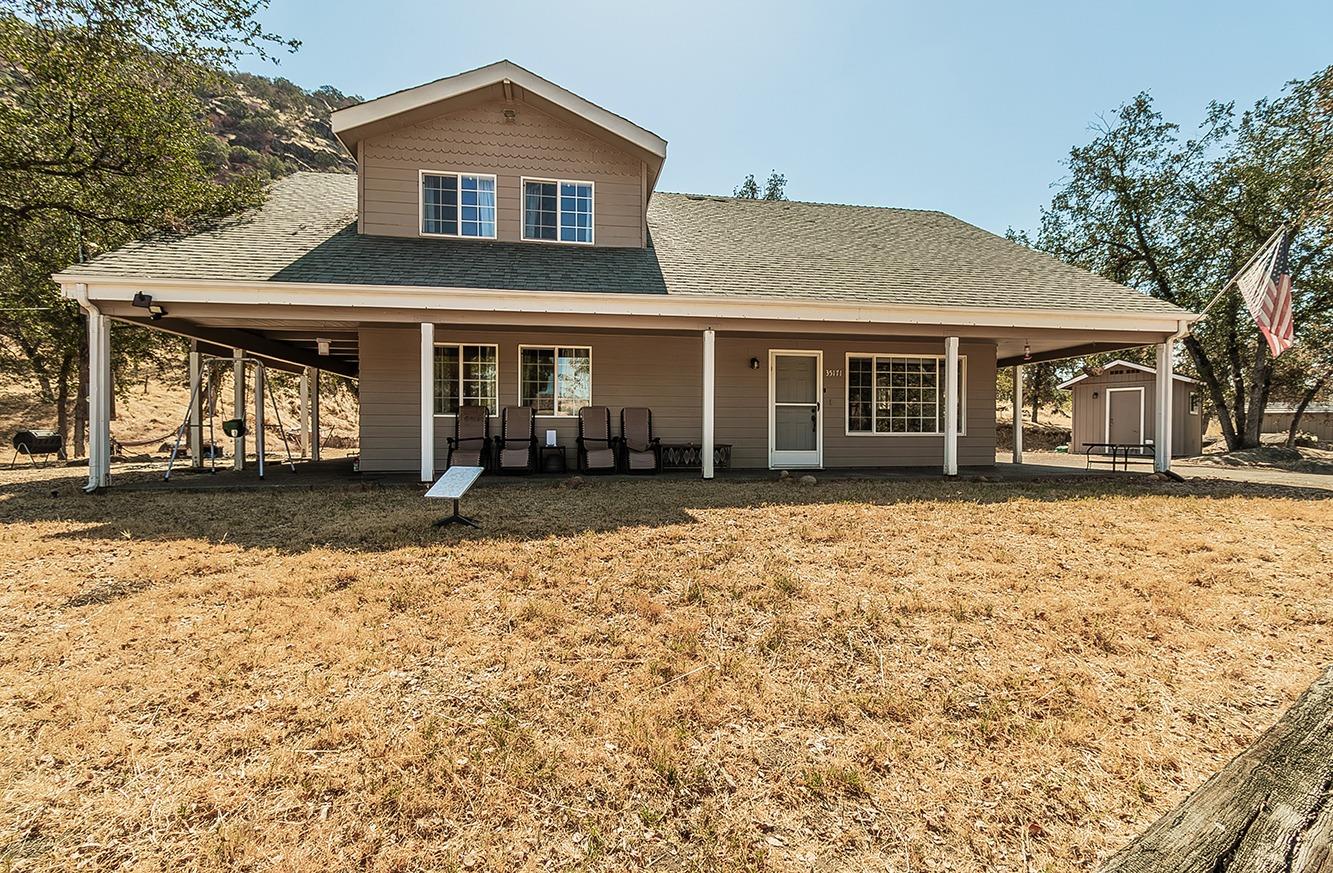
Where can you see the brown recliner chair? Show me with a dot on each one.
(640, 451)
(470, 446)
(516, 449)
(596, 445)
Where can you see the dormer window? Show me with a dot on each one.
(457, 204)
(557, 211)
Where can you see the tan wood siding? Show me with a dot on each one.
(664, 372)
(1089, 412)
(480, 139)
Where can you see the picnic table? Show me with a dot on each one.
(452, 486)
(1117, 451)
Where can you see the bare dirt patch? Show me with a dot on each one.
(663, 674)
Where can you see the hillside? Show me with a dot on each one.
(275, 126)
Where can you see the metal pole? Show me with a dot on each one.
(951, 406)
(709, 391)
(1018, 413)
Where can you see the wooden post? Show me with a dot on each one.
(303, 418)
(196, 408)
(238, 406)
(1018, 413)
(951, 406)
(314, 414)
(427, 402)
(1270, 808)
(709, 392)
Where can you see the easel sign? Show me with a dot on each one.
(452, 486)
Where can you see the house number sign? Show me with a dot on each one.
(832, 374)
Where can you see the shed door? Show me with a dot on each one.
(1124, 415)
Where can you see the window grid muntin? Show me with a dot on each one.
(566, 211)
(545, 375)
(458, 205)
(471, 374)
(900, 394)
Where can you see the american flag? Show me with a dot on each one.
(1266, 287)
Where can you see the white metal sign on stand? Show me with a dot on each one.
(452, 486)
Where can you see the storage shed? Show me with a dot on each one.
(1116, 405)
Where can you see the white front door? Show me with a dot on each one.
(795, 413)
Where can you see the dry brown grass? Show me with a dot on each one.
(728, 676)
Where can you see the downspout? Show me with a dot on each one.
(94, 463)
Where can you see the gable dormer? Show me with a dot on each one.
(500, 153)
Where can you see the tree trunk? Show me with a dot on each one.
(62, 399)
(1261, 380)
(1214, 386)
(1269, 810)
(1306, 399)
(81, 402)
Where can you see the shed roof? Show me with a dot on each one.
(1152, 371)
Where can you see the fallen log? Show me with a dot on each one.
(1270, 809)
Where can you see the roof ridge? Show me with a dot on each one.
(690, 195)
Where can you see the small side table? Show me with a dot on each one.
(551, 459)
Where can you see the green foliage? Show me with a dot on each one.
(1177, 217)
(774, 189)
(102, 141)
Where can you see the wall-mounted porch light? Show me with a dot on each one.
(323, 346)
(145, 301)
(754, 363)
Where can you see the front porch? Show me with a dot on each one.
(854, 390)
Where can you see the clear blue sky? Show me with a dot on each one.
(965, 107)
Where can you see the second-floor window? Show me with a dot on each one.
(458, 204)
(557, 211)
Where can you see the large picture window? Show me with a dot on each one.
(458, 204)
(900, 394)
(557, 211)
(555, 380)
(466, 375)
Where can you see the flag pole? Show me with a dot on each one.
(1227, 287)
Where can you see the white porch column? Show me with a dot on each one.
(951, 406)
(1162, 430)
(261, 376)
(427, 402)
(1018, 413)
(303, 418)
(99, 401)
(314, 414)
(238, 406)
(710, 371)
(196, 408)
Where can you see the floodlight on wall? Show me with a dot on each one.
(145, 301)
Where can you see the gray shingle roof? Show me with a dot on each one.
(712, 246)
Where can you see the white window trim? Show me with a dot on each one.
(458, 174)
(459, 345)
(555, 347)
(847, 394)
(523, 213)
(1106, 414)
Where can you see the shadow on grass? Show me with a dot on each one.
(373, 519)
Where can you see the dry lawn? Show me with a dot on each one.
(649, 674)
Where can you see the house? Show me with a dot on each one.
(504, 242)
(1316, 420)
(1116, 403)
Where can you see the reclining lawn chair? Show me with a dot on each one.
(640, 451)
(516, 449)
(470, 446)
(596, 445)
